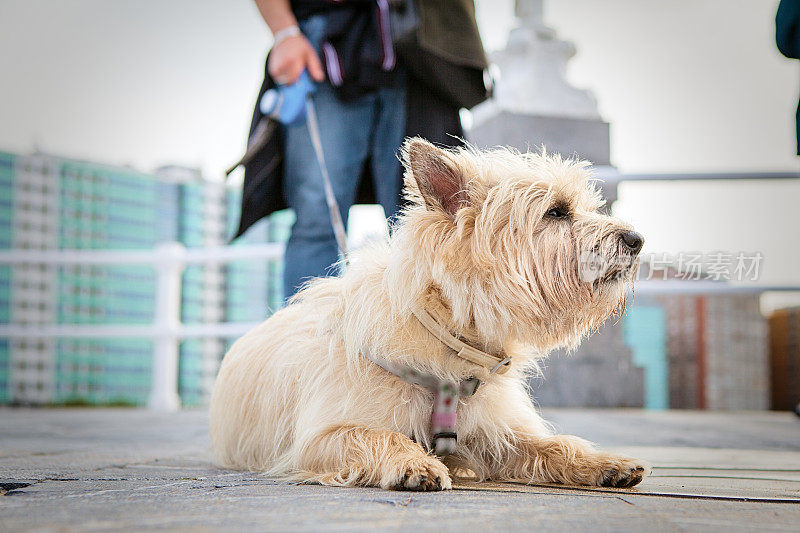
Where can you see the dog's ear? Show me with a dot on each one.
(440, 182)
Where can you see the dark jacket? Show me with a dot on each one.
(787, 37)
(441, 78)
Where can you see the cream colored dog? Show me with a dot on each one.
(492, 245)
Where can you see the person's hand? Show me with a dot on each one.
(290, 57)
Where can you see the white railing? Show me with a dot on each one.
(169, 261)
(613, 175)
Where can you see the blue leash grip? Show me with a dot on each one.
(287, 103)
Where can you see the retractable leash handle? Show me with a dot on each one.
(292, 105)
(287, 103)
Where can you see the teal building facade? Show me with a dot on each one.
(50, 203)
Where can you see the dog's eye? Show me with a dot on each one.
(557, 212)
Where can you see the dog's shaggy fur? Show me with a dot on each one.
(491, 244)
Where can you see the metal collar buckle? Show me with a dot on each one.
(506, 361)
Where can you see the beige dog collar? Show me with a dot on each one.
(495, 364)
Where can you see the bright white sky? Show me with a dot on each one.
(687, 85)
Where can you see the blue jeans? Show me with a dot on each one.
(370, 127)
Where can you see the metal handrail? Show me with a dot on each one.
(612, 175)
(672, 286)
(209, 255)
(110, 331)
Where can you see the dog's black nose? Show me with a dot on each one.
(634, 241)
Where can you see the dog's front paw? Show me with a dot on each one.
(620, 471)
(420, 474)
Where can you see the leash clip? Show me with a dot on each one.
(444, 443)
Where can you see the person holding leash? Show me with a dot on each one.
(383, 70)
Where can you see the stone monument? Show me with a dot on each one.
(533, 103)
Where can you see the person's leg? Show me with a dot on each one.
(389, 130)
(344, 131)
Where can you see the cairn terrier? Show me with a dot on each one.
(482, 277)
